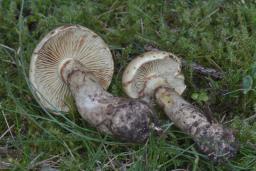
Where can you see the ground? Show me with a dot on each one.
(216, 34)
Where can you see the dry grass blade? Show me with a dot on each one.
(8, 130)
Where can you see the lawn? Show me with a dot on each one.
(215, 34)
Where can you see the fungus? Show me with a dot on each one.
(73, 61)
(156, 77)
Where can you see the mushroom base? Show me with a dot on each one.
(126, 119)
(213, 139)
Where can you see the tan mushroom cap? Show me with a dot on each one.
(64, 43)
(150, 70)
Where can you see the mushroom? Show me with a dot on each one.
(73, 61)
(156, 77)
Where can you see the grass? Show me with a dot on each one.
(217, 34)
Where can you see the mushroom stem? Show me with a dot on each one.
(213, 139)
(127, 119)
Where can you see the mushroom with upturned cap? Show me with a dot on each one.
(74, 61)
(156, 76)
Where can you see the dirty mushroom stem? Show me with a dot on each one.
(156, 77)
(127, 119)
(213, 139)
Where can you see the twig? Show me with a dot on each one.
(203, 70)
(217, 75)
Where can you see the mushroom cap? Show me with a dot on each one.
(61, 44)
(151, 70)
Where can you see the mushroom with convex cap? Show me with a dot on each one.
(74, 61)
(156, 76)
